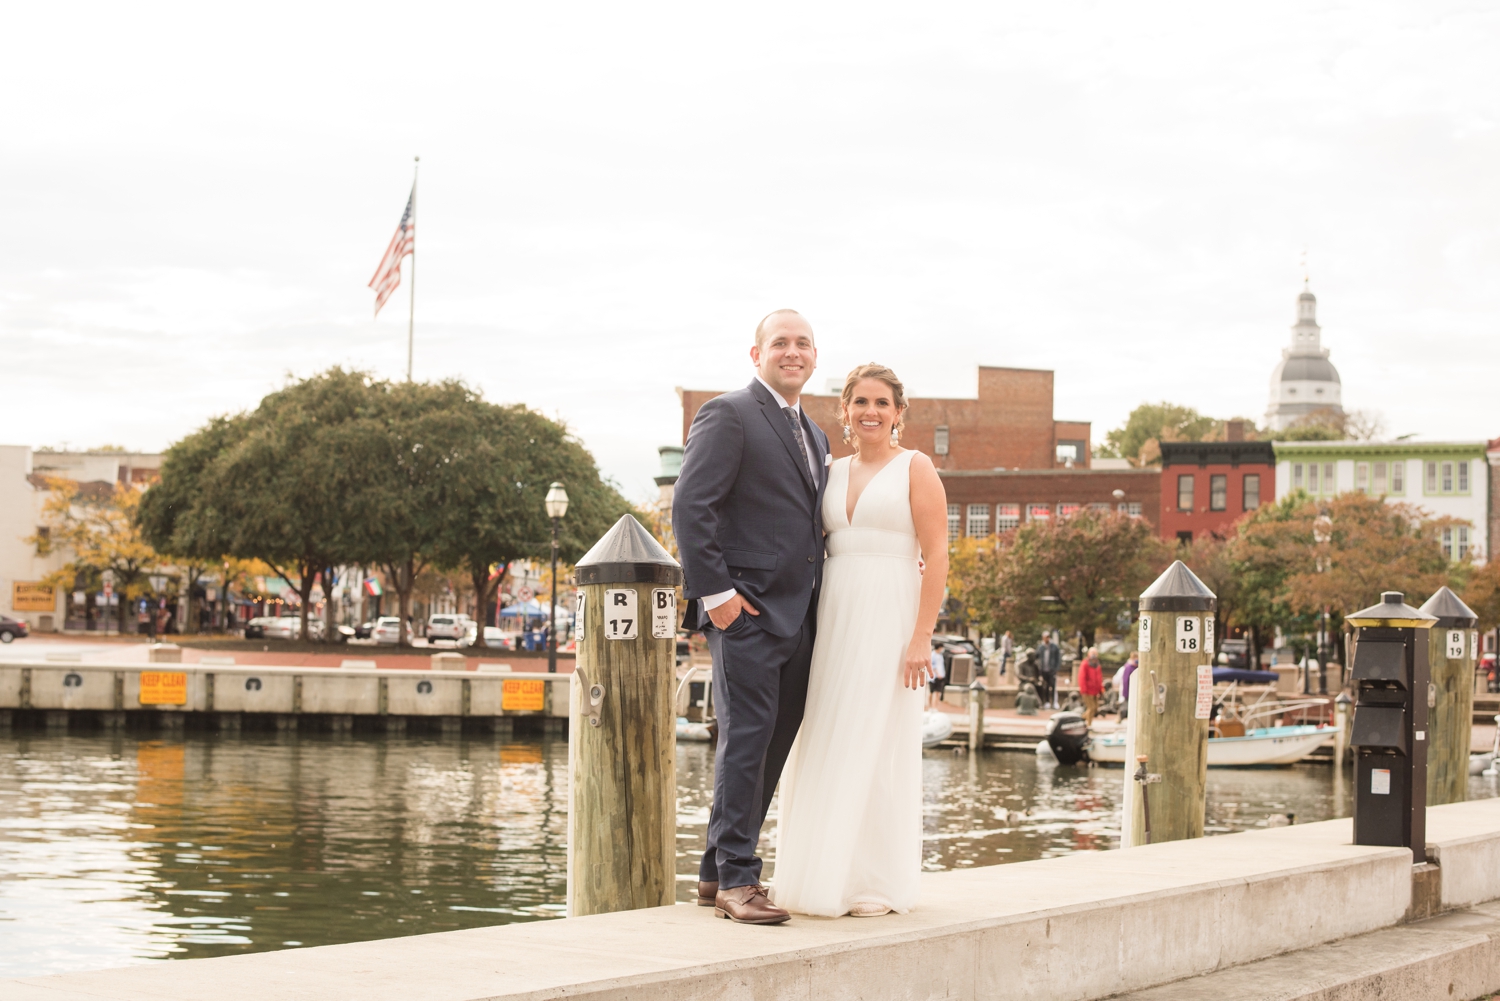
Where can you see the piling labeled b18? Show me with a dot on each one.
(1171, 698)
(622, 735)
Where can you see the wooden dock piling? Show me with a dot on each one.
(622, 738)
(1450, 702)
(1171, 694)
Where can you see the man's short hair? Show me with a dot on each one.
(760, 328)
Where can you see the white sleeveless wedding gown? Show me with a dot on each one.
(850, 827)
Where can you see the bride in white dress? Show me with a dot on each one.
(849, 839)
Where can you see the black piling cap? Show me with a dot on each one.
(1450, 610)
(1392, 613)
(1178, 589)
(628, 555)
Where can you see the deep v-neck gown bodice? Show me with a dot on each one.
(850, 825)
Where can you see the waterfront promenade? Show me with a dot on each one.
(1083, 926)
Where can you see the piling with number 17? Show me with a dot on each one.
(622, 735)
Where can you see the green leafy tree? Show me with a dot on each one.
(1155, 422)
(1076, 574)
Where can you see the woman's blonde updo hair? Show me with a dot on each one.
(874, 370)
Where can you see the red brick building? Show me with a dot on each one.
(1009, 426)
(986, 502)
(1206, 486)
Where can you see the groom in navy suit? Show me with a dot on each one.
(748, 521)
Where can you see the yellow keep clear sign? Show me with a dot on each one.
(522, 695)
(163, 688)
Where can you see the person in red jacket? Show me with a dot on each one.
(1090, 684)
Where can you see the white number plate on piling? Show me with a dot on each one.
(622, 620)
(1209, 635)
(1189, 634)
(578, 616)
(664, 613)
(1205, 705)
(1144, 643)
(1455, 644)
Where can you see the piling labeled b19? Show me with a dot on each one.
(1451, 650)
(622, 736)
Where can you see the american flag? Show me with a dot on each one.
(388, 276)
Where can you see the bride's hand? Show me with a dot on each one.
(918, 665)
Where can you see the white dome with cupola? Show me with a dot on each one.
(1305, 380)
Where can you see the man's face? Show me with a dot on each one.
(787, 356)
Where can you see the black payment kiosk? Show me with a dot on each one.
(1390, 724)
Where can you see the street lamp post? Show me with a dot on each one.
(557, 508)
(1323, 535)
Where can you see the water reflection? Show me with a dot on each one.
(115, 850)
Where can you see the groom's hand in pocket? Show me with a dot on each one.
(723, 616)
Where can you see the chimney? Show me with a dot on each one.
(1234, 430)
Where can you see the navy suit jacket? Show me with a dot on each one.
(747, 512)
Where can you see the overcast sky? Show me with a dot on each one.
(613, 194)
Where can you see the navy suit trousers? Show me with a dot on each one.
(760, 689)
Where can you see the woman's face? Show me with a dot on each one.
(871, 411)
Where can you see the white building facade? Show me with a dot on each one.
(23, 496)
(1449, 478)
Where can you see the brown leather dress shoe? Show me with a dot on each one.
(748, 905)
(707, 892)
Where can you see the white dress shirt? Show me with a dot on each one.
(715, 600)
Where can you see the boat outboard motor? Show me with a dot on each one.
(1068, 736)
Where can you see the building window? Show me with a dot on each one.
(1099, 508)
(1362, 477)
(1463, 542)
(1380, 478)
(1312, 477)
(1447, 477)
(1448, 543)
(1218, 492)
(1463, 477)
(979, 521)
(1133, 508)
(955, 522)
(1067, 510)
(1185, 538)
(940, 440)
(1038, 512)
(1398, 477)
(1330, 478)
(1007, 517)
(1185, 492)
(1432, 477)
(1296, 476)
(1252, 491)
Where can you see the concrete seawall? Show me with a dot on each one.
(1064, 929)
(228, 695)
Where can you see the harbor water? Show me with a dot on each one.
(116, 849)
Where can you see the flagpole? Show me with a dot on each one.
(411, 318)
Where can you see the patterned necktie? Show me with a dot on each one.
(791, 415)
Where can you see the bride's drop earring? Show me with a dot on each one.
(895, 436)
(846, 434)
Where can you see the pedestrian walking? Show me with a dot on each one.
(938, 679)
(1007, 650)
(1122, 682)
(1048, 660)
(1090, 684)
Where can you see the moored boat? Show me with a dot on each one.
(1270, 745)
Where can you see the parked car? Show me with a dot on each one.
(13, 629)
(1235, 653)
(387, 630)
(494, 639)
(447, 627)
(363, 630)
(255, 629)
